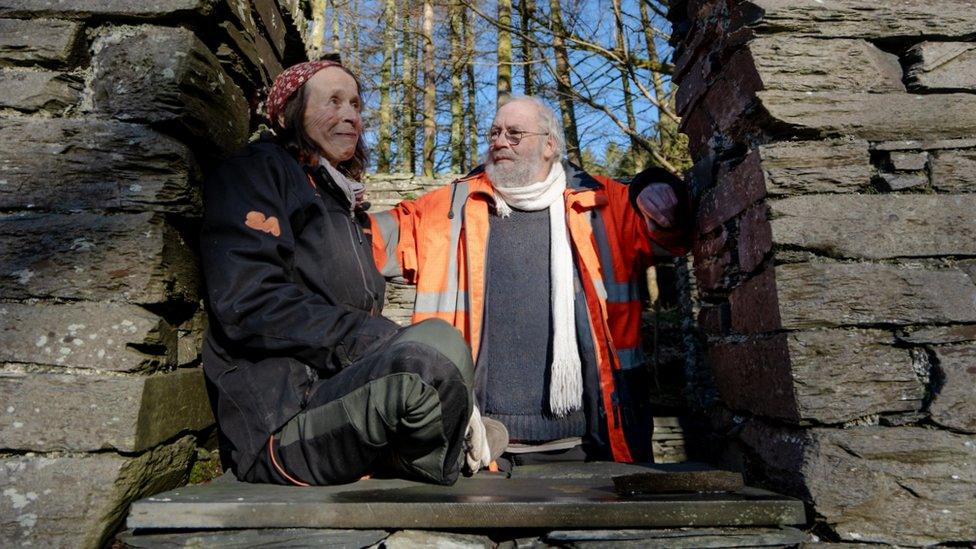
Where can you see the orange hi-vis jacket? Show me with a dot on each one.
(438, 242)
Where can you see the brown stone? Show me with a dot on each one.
(96, 336)
(867, 19)
(754, 376)
(38, 90)
(817, 295)
(76, 164)
(943, 66)
(738, 189)
(755, 238)
(789, 62)
(877, 226)
(902, 485)
(924, 145)
(79, 501)
(802, 167)
(873, 116)
(953, 406)
(132, 257)
(273, 24)
(167, 76)
(117, 8)
(753, 304)
(37, 41)
(954, 171)
(733, 91)
(58, 412)
(711, 272)
(710, 246)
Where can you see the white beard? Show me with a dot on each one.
(518, 173)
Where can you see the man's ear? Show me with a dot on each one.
(549, 152)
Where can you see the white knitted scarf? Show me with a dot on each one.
(566, 386)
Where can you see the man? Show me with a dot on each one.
(539, 264)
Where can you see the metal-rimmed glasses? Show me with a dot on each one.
(514, 137)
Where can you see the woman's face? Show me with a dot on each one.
(332, 113)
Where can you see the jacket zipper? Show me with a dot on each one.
(359, 261)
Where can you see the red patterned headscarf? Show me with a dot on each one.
(288, 82)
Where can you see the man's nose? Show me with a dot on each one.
(500, 141)
(349, 113)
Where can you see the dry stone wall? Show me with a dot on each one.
(109, 114)
(835, 147)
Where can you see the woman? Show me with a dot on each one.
(309, 384)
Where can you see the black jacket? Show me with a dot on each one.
(293, 293)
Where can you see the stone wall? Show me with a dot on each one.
(109, 113)
(835, 149)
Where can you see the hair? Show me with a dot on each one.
(291, 134)
(548, 122)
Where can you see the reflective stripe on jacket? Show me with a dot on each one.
(438, 242)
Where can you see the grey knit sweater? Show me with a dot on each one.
(517, 340)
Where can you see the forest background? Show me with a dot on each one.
(435, 71)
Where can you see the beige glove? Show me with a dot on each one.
(477, 455)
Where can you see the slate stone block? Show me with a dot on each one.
(908, 162)
(420, 539)
(55, 412)
(895, 485)
(38, 90)
(738, 188)
(808, 167)
(943, 66)
(790, 62)
(38, 41)
(678, 538)
(963, 333)
(79, 164)
(166, 75)
(905, 19)
(954, 171)
(136, 258)
(95, 336)
(829, 376)
(755, 238)
(818, 295)
(872, 116)
(753, 305)
(877, 226)
(293, 538)
(902, 181)
(953, 406)
(273, 24)
(79, 500)
(105, 8)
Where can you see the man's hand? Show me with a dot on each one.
(477, 454)
(659, 205)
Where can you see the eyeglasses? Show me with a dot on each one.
(514, 137)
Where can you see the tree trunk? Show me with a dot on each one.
(457, 70)
(408, 93)
(563, 85)
(336, 45)
(317, 36)
(430, 123)
(383, 148)
(526, 13)
(504, 51)
(470, 110)
(625, 75)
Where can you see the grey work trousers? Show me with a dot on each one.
(403, 409)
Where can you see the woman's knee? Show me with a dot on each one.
(439, 343)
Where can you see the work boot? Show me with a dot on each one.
(497, 436)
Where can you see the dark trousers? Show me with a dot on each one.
(403, 409)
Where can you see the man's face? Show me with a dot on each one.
(332, 114)
(528, 162)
